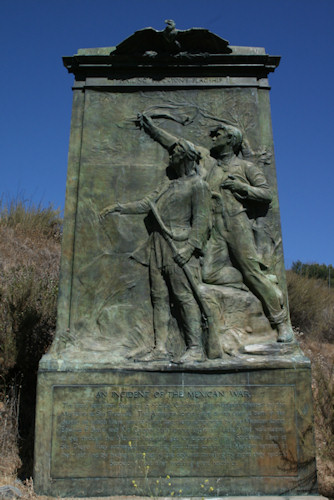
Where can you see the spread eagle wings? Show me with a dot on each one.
(193, 41)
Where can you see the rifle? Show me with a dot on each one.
(214, 349)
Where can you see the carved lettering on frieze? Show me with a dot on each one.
(207, 81)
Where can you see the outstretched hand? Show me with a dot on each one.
(116, 207)
(183, 255)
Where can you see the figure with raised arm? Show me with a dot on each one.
(240, 185)
(182, 207)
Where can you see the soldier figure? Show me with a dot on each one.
(183, 205)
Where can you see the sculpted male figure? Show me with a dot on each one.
(239, 183)
(183, 205)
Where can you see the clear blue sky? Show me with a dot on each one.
(36, 94)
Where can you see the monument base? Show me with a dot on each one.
(211, 431)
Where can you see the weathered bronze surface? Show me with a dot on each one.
(239, 433)
(173, 331)
(119, 163)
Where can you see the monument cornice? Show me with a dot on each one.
(235, 65)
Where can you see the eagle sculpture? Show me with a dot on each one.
(172, 41)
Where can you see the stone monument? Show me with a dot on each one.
(174, 370)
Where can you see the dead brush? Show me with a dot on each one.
(323, 392)
(311, 306)
(30, 219)
(9, 424)
(29, 268)
(312, 311)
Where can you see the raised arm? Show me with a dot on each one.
(164, 138)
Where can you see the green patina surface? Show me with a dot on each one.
(237, 433)
(112, 160)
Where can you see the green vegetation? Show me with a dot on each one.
(314, 270)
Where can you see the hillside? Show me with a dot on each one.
(29, 266)
(312, 315)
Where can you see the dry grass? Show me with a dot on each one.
(29, 267)
(30, 219)
(29, 235)
(322, 359)
(311, 306)
(312, 310)
(9, 425)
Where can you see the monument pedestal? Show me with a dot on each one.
(209, 430)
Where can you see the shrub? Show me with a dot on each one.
(27, 318)
(312, 312)
(311, 306)
(29, 267)
(323, 373)
(314, 270)
(29, 219)
(9, 412)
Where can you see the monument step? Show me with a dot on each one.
(267, 497)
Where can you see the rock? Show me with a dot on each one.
(9, 491)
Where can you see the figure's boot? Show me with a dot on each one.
(195, 351)
(193, 354)
(160, 325)
(285, 332)
(156, 355)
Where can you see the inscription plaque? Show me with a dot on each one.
(176, 430)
